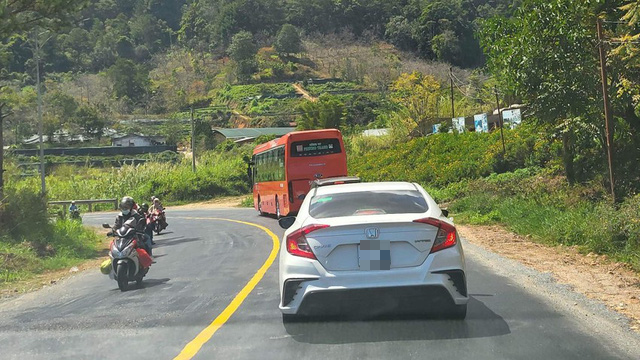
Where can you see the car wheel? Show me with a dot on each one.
(459, 312)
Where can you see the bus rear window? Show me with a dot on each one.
(315, 147)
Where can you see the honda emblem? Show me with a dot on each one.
(372, 233)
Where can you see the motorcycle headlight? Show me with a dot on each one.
(127, 251)
(115, 252)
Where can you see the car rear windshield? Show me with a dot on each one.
(368, 203)
(315, 147)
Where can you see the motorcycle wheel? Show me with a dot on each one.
(140, 276)
(123, 280)
(158, 228)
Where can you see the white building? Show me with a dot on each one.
(376, 132)
(131, 140)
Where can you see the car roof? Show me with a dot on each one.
(371, 186)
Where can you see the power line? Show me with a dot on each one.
(466, 94)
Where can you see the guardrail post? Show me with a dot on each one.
(90, 207)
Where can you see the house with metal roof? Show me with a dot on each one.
(137, 140)
(248, 134)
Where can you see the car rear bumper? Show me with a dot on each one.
(433, 300)
(307, 288)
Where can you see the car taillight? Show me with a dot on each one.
(446, 236)
(297, 242)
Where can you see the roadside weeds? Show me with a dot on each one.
(49, 278)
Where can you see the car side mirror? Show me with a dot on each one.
(286, 222)
(106, 226)
(445, 213)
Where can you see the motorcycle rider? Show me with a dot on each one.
(157, 206)
(127, 211)
(73, 207)
(143, 210)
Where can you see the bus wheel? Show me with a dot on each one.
(260, 207)
(277, 209)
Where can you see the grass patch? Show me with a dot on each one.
(247, 202)
(552, 212)
(218, 174)
(319, 89)
(69, 245)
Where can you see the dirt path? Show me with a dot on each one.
(217, 203)
(595, 276)
(305, 94)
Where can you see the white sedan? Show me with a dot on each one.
(377, 247)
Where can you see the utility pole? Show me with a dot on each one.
(2, 116)
(40, 126)
(453, 109)
(607, 108)
(504, 148)
(193, 142)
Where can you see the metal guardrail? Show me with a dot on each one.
(66, 203)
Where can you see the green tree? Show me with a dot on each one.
(399, 31)
(243, 52)
(242, 48)
(288, 40)
(326, 113)
(446, 46)
(416, 94)
(90, 120)
(60, 105)
(129, 80)
(545, 56)
(23, 15)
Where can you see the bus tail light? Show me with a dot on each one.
(290, 192)
(297, 244)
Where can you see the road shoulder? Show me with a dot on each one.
(594, 276)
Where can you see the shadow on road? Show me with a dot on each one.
(481, 322)
(175, 241)
(149, 283)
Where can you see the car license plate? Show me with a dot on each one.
(374, 255)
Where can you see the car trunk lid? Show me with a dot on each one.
(351, 243)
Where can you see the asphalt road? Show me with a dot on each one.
(203, 264)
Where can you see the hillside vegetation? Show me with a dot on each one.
(526, 190)
(364, 64)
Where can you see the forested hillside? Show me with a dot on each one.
(113, 58)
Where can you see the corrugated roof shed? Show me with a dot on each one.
(253, 132)
(376, 132)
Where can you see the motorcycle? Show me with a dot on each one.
(75, 215)
(159, 220)
(128, 261)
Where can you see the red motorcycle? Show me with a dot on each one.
(158, 219)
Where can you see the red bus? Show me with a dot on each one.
(283, 169)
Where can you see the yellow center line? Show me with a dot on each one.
(192, 348)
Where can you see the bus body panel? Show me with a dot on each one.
(285, 168)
